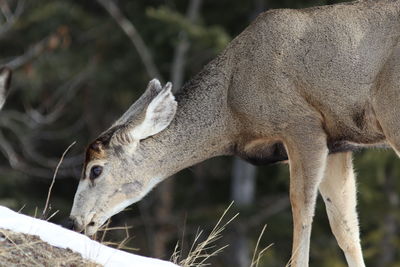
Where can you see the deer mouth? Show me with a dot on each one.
(89, 225)
(91, 228)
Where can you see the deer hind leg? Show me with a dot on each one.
(338, 189)
(307, 152)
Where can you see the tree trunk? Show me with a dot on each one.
(243, 183)
(179, 61)
(242, 192)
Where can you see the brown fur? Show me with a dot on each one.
(95, 151)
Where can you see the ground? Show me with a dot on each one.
(18, 249)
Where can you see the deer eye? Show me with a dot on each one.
(95, 171)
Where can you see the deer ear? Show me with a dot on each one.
(158, 115)
(154, 87)
(5, 77)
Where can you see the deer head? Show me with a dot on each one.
(118, 170)
(5, 77)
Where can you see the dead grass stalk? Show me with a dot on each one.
(201, 251)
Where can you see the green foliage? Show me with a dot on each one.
(211, 36)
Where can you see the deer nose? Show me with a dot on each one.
(74, 223)
(68, 223)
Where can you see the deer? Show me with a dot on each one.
(306, 87)
(5, 78)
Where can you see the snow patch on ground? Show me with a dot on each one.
(64, 238)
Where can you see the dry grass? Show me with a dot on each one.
(257, 255)
(201, 251)
(47, 208)
(23, 250)
(101, 234)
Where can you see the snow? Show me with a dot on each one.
(64, 238)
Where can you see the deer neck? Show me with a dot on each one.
(202, 127)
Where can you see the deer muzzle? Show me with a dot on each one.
(88, 224)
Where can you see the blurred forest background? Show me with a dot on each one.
(78, 65)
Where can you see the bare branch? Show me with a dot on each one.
(9, 151)
(17, 163)
(32, 52)
(29, 151)
(60, 98)
(63, 133)
(10, 17)
(18, 123)
(134, 36)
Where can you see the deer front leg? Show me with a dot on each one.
(338, 189)
(307, 159)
